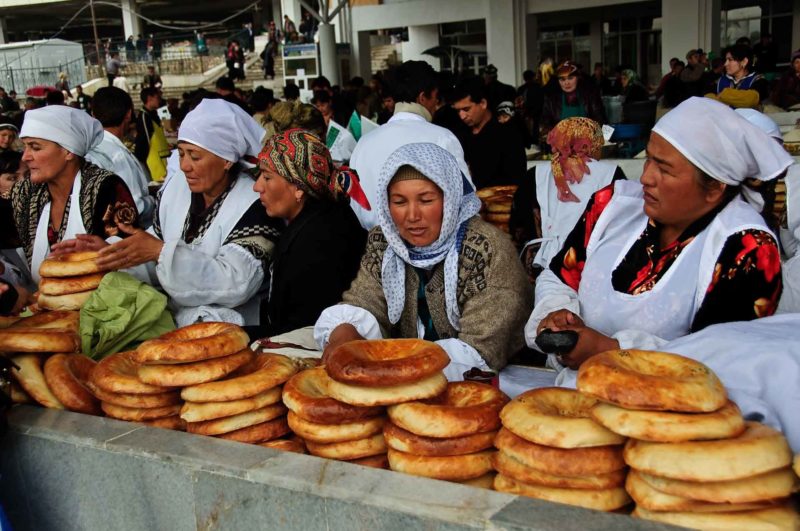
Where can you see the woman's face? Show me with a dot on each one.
(568, 83)
(625, 80)
(417, 207)
(7, 181)
(280, 198)
(734, 67)
(672, 194)
(45, 159)
(7, 137)
(205, 172)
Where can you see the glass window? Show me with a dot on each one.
(547, 49)
(781, 35)
(564, 51)
(629, 24)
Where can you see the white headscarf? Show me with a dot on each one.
(225, 130)
(72, 129)
(723, 144)
(763, 122)
(460, 204)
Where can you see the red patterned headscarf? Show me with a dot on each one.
(574, 142)
(302, 158)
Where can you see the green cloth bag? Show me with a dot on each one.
(121, 312)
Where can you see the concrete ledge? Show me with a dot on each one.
(62, 470)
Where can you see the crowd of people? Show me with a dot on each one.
(357, 213)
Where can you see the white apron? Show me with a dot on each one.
(666, 311)
(560, 217)
(176, 199)
(41, 247)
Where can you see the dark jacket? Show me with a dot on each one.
(587, 95)
(787, 91)
(316, 258)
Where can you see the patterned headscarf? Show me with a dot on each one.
(574, 141)
(302, 158)
(460, 205)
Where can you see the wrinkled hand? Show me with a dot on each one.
(138, 248)
(81, 242)
(343, 333)
(560, 320)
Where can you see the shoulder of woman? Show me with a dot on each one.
(485, 243)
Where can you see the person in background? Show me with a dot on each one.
(8, 135)
(141, 48)
(200, 44)
(54, 97)
(113, 107)
(268, 57)
(574, 97)
(151, 148)
(505, 112)
(262, 101)
(433, 269)
(415, 87)
(10, 165)
(291, 92)
(339, 141)
(632, 88)
(692, 74)
(765, 54)
(496, 92)
(130, 50)
(287, 115)
(151, 79)
(675, 90)
(601, 81)
(786, 93)
(495, 153)
(112, 68)
(740, 86)
(63, 85)
(227, 90)
(84, 101)
(299, 184)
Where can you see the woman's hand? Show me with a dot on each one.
(138, 248)
(590, 342)
(81, 242)
(560, 320)
(343, 333)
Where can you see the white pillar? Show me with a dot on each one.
(688, 24)
(420, 38)
(277, 13)
(505, 38)
(130, 22)
(328, 62)
(3, 31)
(362, 62)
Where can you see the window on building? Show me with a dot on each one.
(572, 42)
(752, 18)
(469, 37)
(633, 42)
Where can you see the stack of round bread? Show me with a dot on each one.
(57, 380)
(67, 280)
(497, 201)
(694, 461)
(449, 437)
(115, 382)
(244, 406)
(376, 373)
(551, 449)
(330, 428)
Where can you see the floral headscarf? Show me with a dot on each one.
(460, 205)
(574, 141)
(302, 158)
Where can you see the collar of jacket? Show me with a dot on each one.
(414, 108)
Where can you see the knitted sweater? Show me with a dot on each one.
(493, 294)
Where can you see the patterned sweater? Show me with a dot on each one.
(493, 294)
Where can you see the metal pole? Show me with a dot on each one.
(96, 39)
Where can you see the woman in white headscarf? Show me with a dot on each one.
(211, 242)
(65, 194)
(433, 269)
(686, 248)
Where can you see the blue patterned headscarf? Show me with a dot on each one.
(460, 204)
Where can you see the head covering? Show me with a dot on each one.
(11, 127)
(490, 70)
(632, 76)
(566, 68)
(224, 129)
(723, 144)
(763, 122)
(70, 128)
(505, 107)
(302, 159)
(460, 204)
(574, 142)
